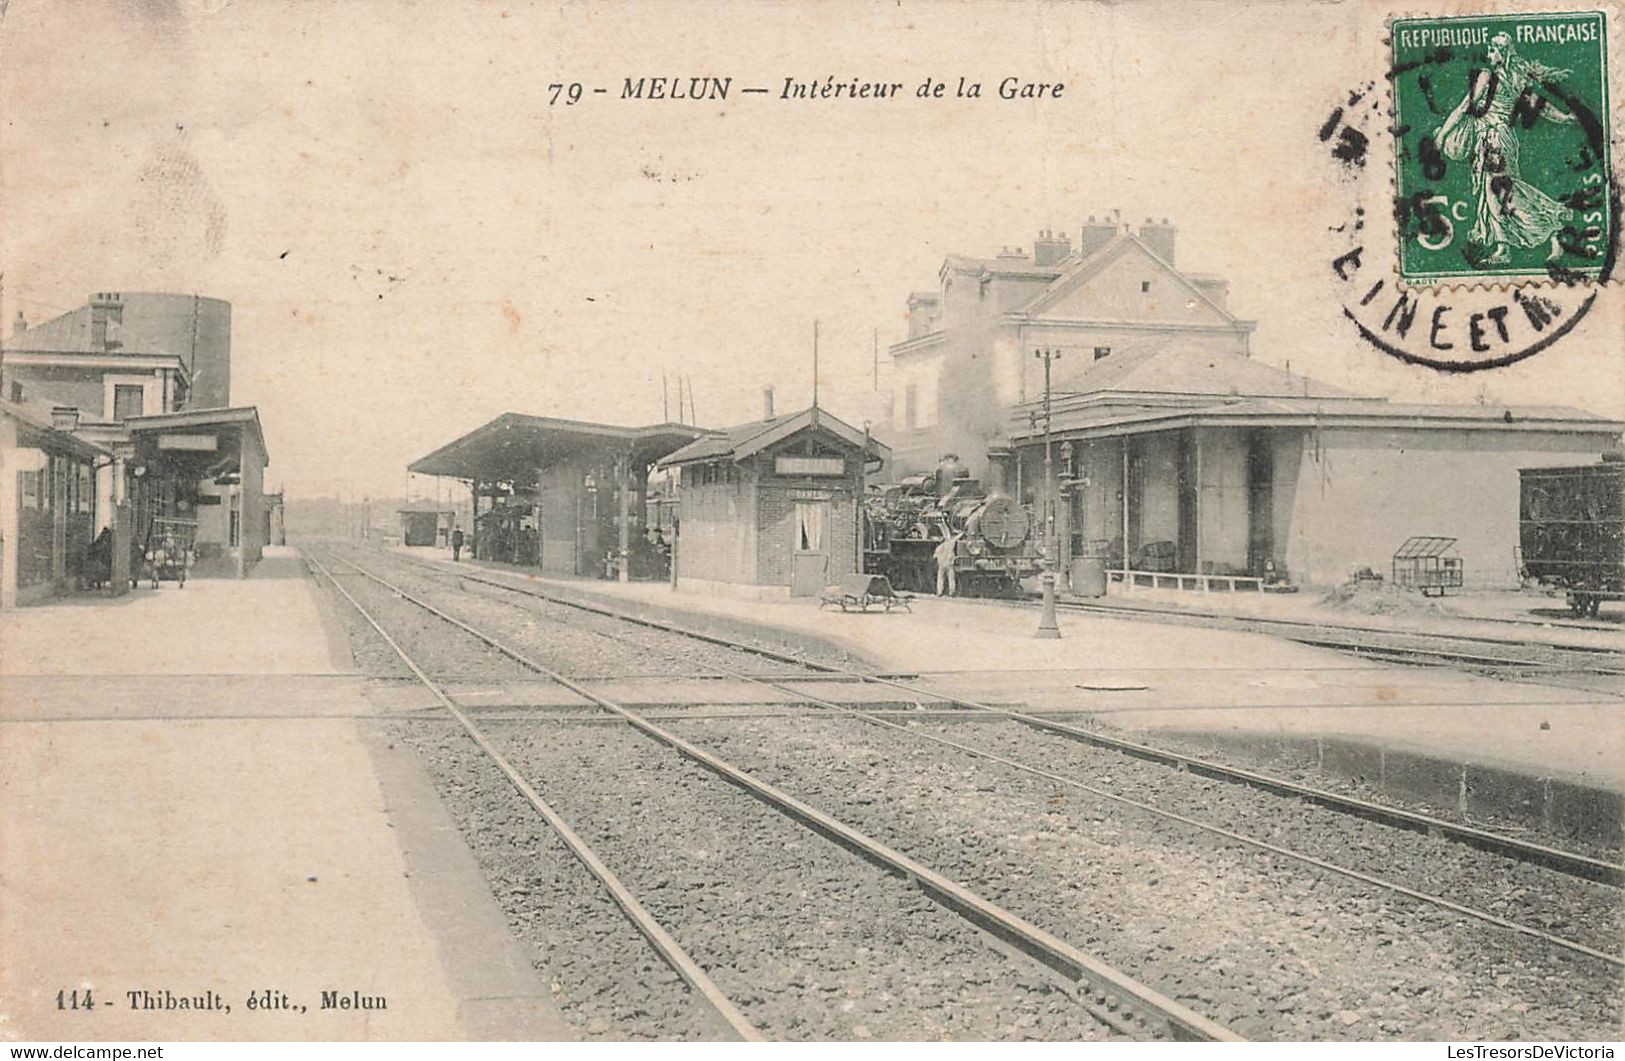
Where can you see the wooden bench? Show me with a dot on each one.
(860, 591)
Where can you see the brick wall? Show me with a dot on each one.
(775, 526)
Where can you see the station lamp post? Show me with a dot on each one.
(1048, 627)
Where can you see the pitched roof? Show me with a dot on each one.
(1018, 266)
(743, 440)
(1075, 272)
(70, 333)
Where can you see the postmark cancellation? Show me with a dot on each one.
(1503, 148)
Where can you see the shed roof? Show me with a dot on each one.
(514, 445)
(241, 417)
(34, 423)
(1113, 418)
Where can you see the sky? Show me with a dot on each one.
(415, 237)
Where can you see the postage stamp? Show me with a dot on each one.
(1502, 148)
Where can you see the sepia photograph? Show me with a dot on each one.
(869, 521)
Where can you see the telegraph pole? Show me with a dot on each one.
(1048, 627)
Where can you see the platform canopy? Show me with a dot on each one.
(514, 445)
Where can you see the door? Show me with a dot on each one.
(809, 562)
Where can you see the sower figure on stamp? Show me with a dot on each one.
(944, 556)
(1480, 129)
(457, 543)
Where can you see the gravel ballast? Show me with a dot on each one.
(1272, 947)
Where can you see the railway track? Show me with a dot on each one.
(1513, 847)
(1015, 763)
(1465, 651)
(906, 727)
(1117, 1000)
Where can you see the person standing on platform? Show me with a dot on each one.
(944, 556)
(457, 543)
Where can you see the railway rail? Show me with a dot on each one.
(1513, 847)
(1113, 997)
(1469, 651)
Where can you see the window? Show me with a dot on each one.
(1145, 287)
(1102, 351)
(810, 526)
(911, 406)
(128, 400)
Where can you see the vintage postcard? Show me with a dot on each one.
(940, 521)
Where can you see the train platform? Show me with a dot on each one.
(1513, 616)
(1431, 732)
(205, 831)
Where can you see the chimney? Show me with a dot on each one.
(1216, 288)
(767, 403)
(65, 417)
(106, 307)
(21, 325)
(1094, 236)
(1159, 236)
(1049, 248)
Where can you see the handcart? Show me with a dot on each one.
(168, 553)
(1428, 563)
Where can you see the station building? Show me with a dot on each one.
(967, 361)
(770, 508)
(48, 508)
(1173, 451)
(145, 379)
(1215, 464)
(566, 496)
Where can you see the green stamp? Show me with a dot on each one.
(1501, 148)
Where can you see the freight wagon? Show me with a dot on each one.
(1571, 531)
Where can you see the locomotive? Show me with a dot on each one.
(1571, 531)
(904, 524)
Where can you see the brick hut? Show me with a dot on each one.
(769, 508)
